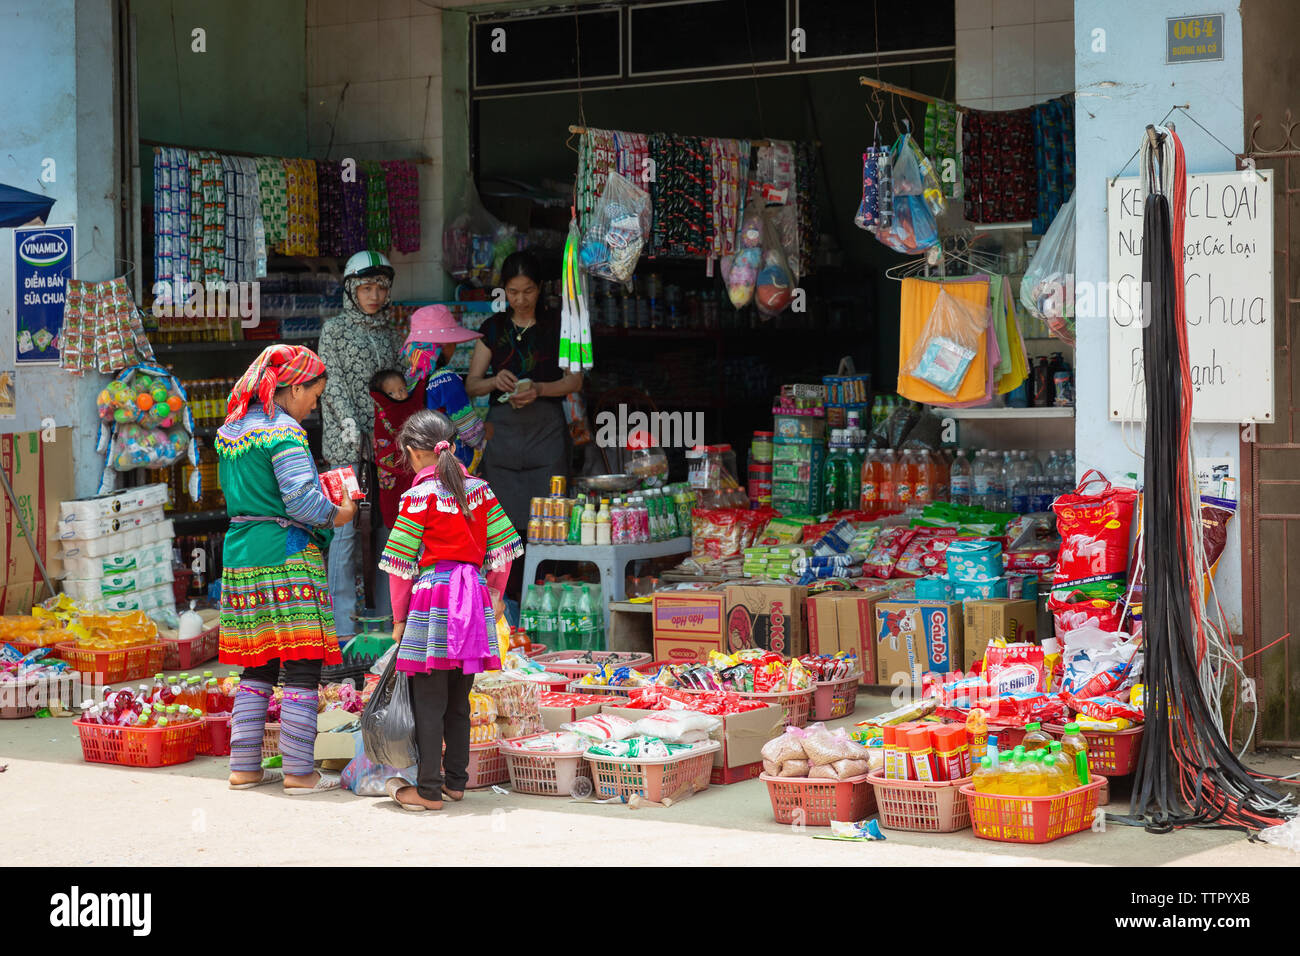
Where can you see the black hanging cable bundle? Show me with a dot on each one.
(1187, 773)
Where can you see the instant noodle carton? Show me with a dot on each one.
(846, 621)
(1014, 621)
(773, 617)
(915, 637)
(688, 624)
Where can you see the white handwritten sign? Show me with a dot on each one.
(1228, 282)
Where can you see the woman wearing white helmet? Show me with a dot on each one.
(354, 345)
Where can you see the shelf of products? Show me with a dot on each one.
(977, 413)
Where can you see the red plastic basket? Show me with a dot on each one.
(652, 778)
(600, 690)
(549, 773)
(921, 806)
(624, 659)
(114, 666)
(24, 698)
(1008, 737)
(796, 705)
(139, 746)
(1010, 819)
(815, 802)
(183, 655)
(214, 741)
(487, 766)
(1111, 754)
(833, 699)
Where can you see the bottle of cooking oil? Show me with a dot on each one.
(1033, 780)
(1072, 745)
(1035, 737)
(1009, 778)
(986, 778)
(1054, 772)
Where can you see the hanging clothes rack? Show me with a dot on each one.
(579, 130)
(905, 92)
(418, 160)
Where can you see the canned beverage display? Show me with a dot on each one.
(557, 530)
(535, 530)
(558, 483)
(538, 508)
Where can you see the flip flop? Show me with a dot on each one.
(325, 783)
(392, 785)
(268, 776)
(454, 795)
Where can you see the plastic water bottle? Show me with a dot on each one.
(982, 480)
(1018, 479)
(959, 481)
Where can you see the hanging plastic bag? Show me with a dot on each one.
(913, 228)
(774, 285)
(617, 230)
(946, 349)
(145, 422)
(388, 722)
(1047, 290)
(475, 243)
(741, 269)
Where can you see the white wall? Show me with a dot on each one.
(1120, 91)
(1014, 53)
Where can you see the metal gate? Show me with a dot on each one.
(1270, 463)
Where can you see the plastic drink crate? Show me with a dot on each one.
(815, 802)
(25, 697)
(921, 806)
(1111, 754)
(139, 746)
(833, 699)
(652, 777)
(796, 705)
(114, 666)
(1014, 819)
(621, 658)
(184, 655)
(214, 740)
(550, 773)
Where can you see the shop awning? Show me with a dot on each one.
(18, 206)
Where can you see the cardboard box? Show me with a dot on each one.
(846, 621)
(552, 717)
(769, 616)
(687, 624)
(41, 475)
(331, 745)
(913, 637)
(1017, 621)
(742, 737)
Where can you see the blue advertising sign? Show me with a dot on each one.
(43, 258)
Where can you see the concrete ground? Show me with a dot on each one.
(59, 810)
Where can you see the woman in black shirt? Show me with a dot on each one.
(530, 436)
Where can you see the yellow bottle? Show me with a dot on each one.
(1035, 737)
(986, 778)
(1009, 778)
(1053, 773)
(1068, 780)
(1072, 744)
(1033, 781)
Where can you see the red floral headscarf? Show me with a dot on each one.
(277, 367)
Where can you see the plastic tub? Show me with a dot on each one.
(814, 802)
(833, 699)
(1010, 819)
(487, 766)
(139, 746)
(548, 773)
(214, 739)
(185, 655)
(921, 806)
(650, 777)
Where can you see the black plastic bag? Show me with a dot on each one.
(388, 721)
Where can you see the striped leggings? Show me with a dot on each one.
(297, 716)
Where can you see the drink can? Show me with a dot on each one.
(538, 509)
(548, 508)
(558, 531)
(557, 486)
(535, 530)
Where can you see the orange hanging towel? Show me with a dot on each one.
(919, 297)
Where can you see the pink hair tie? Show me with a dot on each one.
(442, 446)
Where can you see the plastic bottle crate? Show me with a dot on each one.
(815, 802)
(24, 698)
(548, 773)
(620, 658)
(921, 806)
(652, 777)
(139, 746)
(1111, 754)
(214, 740)
(185, 655)
(833, 699)
(114, 666)
(1014, 819)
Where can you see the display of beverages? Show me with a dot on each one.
(591, 622)
(1075, 747)
(602, 524)
(548, 619)
(570, 639)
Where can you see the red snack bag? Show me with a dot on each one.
(911, 562)
(1016, 668)
(1106, 708)
(883, 558)
(335, 484)
(1094, 531)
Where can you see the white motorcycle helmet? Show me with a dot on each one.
(365, 264)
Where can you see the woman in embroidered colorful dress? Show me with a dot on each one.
(447, 558)
(275, 603)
